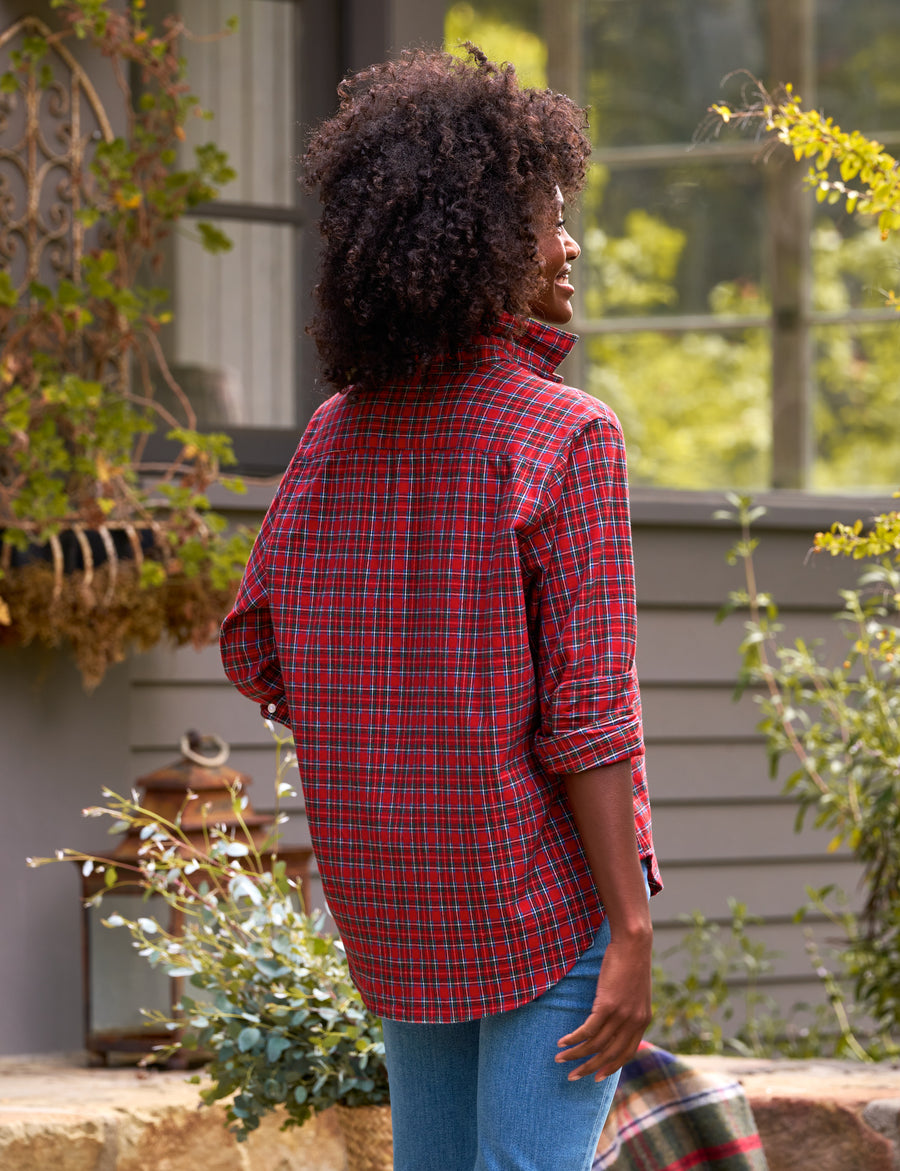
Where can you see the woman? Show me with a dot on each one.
(440, 605)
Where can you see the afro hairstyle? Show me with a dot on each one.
(436, 175)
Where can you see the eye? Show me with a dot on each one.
(560, 224)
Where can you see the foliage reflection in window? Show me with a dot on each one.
(674, 288)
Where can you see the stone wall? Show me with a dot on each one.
(67, 1118)
(830, 1116)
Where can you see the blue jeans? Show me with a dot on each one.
(487, 1095)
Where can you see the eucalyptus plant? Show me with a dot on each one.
(272, 1008)
(81, 358)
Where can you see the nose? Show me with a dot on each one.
(573, 248)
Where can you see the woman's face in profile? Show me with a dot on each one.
(557, 250)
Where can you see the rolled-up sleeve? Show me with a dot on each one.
(247, 639)
(583, 610)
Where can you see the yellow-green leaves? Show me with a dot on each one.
(837, 157)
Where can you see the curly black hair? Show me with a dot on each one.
(435, 175)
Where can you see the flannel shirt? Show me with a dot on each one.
(440, 606)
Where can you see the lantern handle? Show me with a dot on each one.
(190, 742)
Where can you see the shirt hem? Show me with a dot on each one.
(468, 1012)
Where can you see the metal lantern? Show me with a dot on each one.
(117, 982)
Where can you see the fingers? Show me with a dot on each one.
(602, 1044)
(605, 1023)
(609, 1037)
(619, 1015)
(584, 1040)
(601, 1065)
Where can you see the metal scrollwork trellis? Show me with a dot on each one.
(47, 131)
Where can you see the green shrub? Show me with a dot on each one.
(840, 720)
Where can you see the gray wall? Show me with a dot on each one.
(60, 746)
(722, 826)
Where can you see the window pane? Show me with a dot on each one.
(232, 340)
(858, 50)
(247, 80)
(507, 30)
(694, 408)
(857, 406)
(654, 66)
(853, 267)
(667, 240)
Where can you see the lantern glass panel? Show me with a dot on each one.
(122, 982)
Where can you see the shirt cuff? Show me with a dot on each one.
(590, 722)
(590, 747)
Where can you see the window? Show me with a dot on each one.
(233, 344)
(237, 340)
(234, 319)
(736, 326)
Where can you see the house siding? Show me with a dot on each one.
(723, 827)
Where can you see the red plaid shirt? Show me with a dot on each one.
(440, 605)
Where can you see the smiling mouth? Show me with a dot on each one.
(562, 277)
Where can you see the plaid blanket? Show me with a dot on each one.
(667, 1117)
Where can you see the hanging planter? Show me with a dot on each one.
(100, 548)
(96, 601)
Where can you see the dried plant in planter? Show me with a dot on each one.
(100, 548)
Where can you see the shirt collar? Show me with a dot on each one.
(539, 346)
(533, 344)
